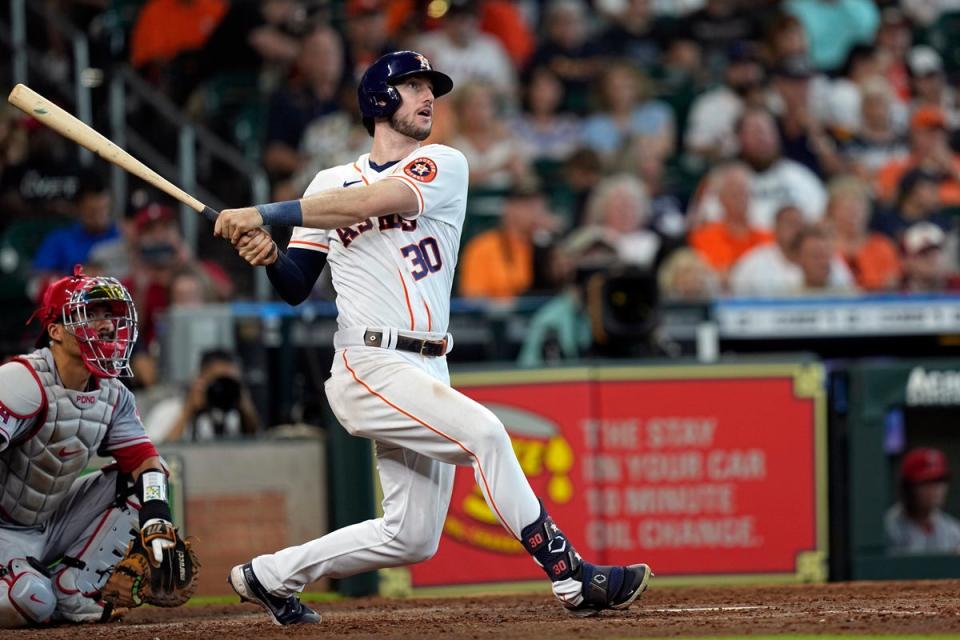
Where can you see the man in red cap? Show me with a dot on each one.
(61, 535)
(917, 524)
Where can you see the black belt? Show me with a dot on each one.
(404, 343)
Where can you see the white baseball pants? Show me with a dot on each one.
(422, 427)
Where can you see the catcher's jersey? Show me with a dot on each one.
(394, 271)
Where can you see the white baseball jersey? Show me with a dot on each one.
(396, 271)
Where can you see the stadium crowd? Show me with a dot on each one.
(722, 147)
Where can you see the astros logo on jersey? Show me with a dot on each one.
(421, 170)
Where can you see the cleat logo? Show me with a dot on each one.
(600, 579)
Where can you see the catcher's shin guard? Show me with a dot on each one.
(88, 564)
(284, 610)
(26, 595)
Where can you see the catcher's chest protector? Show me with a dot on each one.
(36, 473)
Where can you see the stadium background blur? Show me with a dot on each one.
(648, 177)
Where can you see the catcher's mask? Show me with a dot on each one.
(97, 311)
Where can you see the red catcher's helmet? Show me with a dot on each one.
(99, 313)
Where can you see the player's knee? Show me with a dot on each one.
(421, 550)
(489, 435)
(26, 596)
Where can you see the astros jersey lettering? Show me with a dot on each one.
(395, 271)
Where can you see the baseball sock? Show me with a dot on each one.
(552, 550)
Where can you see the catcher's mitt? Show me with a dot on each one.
(139, 578)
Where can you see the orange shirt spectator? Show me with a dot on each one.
(496, 265)
(930, 151)
(165, 28)
(720, 246)
(875, 264)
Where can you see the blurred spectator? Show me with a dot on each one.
(560, 330)
(568, 52)
(366, 34)
(785, 37)
(505, 20)
(801, 132)
(722, 242)
(627, 111)
(929, 151)
(311, 93)
(158, 253)
(582, 172)
(777, 181)
(834, 26)
(684, 276)
(717, 26)
(500, 263)
(217, 406)
(495, 157)
(465, 53)
(925, 12)
(845, 99)
(772, 269)
(926, 267)
(63, 248)
(191, 287)
(166, 28)
(878, 140)
(545, 133)
(872, 257)
(893, 42)
(816, 258)
(632, 35)
(929, 86)
(713, 116)
(250, 35)
(621, 206)
(645, 159)
(917, 523)
(918, 201)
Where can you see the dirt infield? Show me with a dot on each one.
(862, 608)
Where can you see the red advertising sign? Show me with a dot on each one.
(702, 471)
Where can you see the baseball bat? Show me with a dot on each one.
(70, 127)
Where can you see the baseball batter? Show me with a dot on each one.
(62, 535)
(389, 226)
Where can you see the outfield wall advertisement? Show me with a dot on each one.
(702, 472)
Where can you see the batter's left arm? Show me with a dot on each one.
(325, 210)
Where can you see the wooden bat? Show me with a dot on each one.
(70, 127)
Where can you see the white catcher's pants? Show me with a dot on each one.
(422, 427)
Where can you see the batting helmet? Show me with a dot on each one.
(377, 94)
(105, 349)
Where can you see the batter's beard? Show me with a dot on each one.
(409, 129)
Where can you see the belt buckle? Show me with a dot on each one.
(433, 343)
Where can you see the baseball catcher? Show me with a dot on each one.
(79, 548)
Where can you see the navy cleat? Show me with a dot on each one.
(606, 587)
(284, 610)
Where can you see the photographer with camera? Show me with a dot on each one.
(216, 405)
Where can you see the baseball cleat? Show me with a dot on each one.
(284, 610)
(607, 587)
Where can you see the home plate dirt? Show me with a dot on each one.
(865, 608)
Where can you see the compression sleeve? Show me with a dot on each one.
(295, 272)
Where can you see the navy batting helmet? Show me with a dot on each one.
(377, 95)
